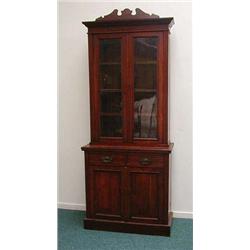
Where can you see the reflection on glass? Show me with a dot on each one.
(145, 111)
(110, 88)
(146, 49)
(145, 99)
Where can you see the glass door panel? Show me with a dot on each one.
(110, 88)
(145, 87)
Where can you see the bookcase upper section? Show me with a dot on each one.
(127, 18)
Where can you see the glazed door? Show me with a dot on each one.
(145, 195)
(109, 99)
(147, 87)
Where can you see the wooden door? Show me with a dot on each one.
(108, 88)
(145, 194)
(106, 186)
(148, 87)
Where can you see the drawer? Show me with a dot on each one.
(106, 158)
(144, 160)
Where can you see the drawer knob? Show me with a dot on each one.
(145, 161)
(107, 159)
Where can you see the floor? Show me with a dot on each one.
(72, 236)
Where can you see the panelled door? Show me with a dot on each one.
(130, 193)
(145, 195)
(107, 192)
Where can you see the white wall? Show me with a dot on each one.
(74, 115)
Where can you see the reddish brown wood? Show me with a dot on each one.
(126, 14)
(145, 195)
(107, 158)
(129, 227)
(107, 196)
(127, 179)
(163, 149)
(145, 160)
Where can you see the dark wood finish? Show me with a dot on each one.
(126, 14)
(129, 227)
(163, 149)
(145, 195)
(145, 160)
(107, 192)
(127, 178)
(106, 158)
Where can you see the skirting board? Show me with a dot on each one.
(82, 207)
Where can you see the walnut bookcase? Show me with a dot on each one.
(127, 162)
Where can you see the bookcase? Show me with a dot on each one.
(127, 162)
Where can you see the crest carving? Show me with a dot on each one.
(126, 14)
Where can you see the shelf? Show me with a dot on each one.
(110, 90)
(147, 114)
(109, 63)
(145, 90)
(146, 62)
(110, 114)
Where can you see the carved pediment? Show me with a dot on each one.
(127, 15)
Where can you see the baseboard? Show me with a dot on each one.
(71, 206)
(82, 207)
(183, 215)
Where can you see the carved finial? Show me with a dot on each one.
(126, 14)
(141, 13)
(109, 16)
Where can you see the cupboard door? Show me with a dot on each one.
(108, 76)
(107, 194)
(145, 195)
(146, 77)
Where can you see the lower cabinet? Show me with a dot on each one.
(127, 192)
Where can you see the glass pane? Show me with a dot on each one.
(110, 76)
(110, 50)
(111, 126)
(110, 88)
(145, 76)
(145, 115)
(146, 49)
(145, 95)
(111, 102)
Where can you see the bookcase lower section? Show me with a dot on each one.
(129, 227)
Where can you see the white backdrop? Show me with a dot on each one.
(74, 115)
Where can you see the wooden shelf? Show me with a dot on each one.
(145, 90)
(110, 63)
(110, 114)
(110, 90)
(148, 114)
(146, 62)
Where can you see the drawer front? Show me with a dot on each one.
(144, 160)
(106, 158)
